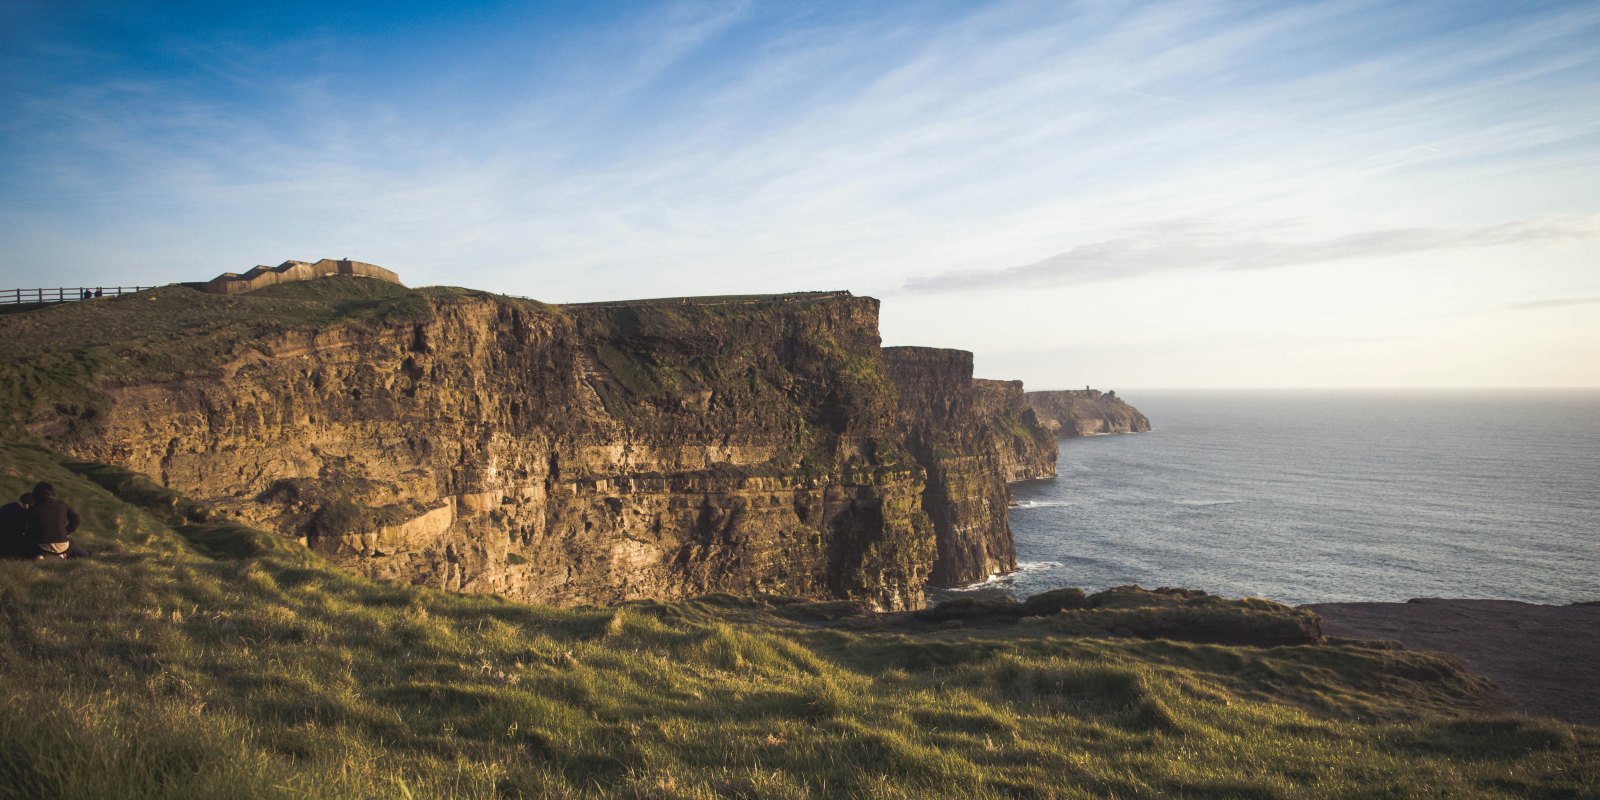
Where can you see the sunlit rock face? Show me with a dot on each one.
(1026, 449)
(575, 454)
(1086, 412)
(960, 431)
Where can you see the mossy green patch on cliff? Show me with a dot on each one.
(203, 659)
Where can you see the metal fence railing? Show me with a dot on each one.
(65, 294)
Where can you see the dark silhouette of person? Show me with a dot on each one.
(51, 523)
(85, 295)
(98, 292)
(14, 541)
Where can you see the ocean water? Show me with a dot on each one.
(1327, 496)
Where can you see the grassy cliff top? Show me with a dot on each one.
(715, 300)
(60, 353)
(201, 659)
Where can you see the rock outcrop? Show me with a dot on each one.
(657, 449)
(1026, 448)
(260, 277)
(1086, 412)
(966, 490)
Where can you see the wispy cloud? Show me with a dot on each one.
(1556, 302)
(1193, 245)
(682, 146)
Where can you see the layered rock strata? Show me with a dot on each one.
(966, 493)
(569, 455)
(1025, 448)
(260, 277)
(1086, 412)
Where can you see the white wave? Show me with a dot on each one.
(1006, 578)
(1035, 566)
(1040, 504)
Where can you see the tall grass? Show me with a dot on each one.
(202, 659)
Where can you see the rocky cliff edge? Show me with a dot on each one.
(1086, 412)
(482, 443)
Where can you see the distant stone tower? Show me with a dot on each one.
(290, 271)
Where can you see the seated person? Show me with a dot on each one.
(14, 541)
(51, 523)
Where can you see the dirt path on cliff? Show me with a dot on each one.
(1545, 658)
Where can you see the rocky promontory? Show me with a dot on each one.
(567, 454)
(965, 494)
(1086, 412)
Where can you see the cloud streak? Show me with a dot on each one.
(1186, 246)
(1558, 302)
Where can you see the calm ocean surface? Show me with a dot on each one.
(1327, 496)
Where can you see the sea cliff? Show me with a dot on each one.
(1086, 412)
(567, 454)
(1025, 446)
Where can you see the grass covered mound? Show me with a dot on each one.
(195, 658)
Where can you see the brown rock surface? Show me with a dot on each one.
(953, 434)
(480, 443)
(1086, 412)
(260, 277)
(1026, 449)
(1545, 658)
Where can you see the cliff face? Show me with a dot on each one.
(580, 454)
(1025, 448)
(1086, 412)
(966, 493)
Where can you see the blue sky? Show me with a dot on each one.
(1153, 194)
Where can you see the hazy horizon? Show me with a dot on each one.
(1198, 195)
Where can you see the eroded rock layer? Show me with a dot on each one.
(479, 443)
(966, 493)
(1026, 449)
(1086, 412)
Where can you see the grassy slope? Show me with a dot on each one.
(205, 660)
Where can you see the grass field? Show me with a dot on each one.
(201, 659)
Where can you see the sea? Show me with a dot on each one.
(1326, 496)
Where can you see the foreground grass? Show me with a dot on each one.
(206, 660)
